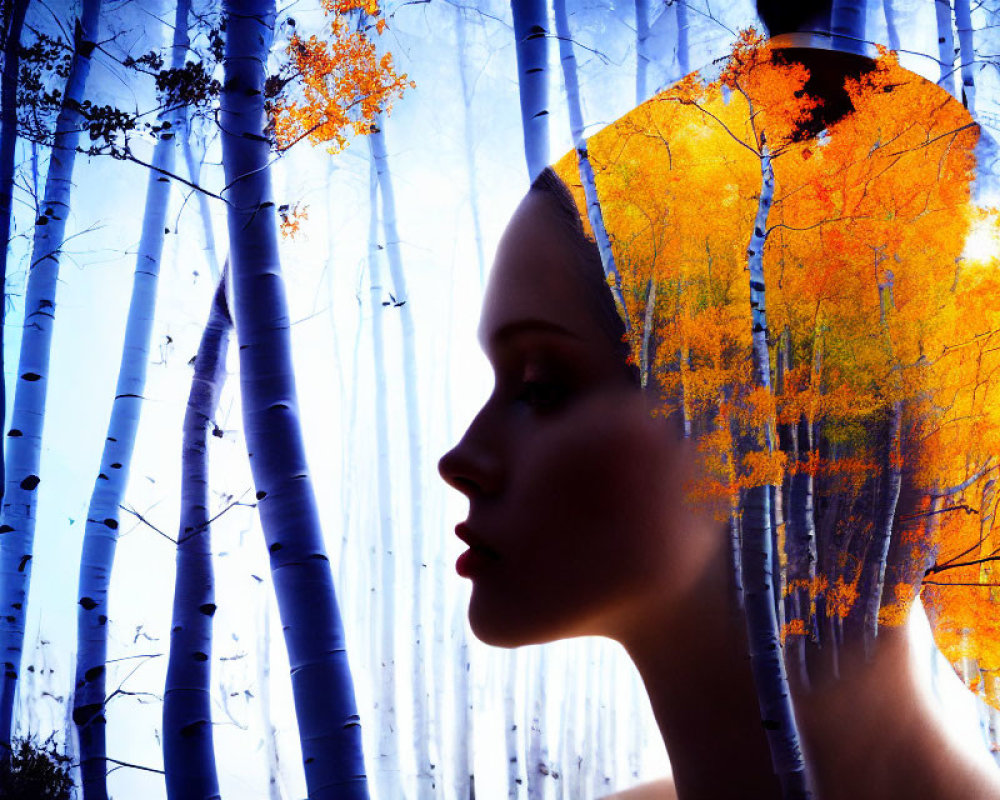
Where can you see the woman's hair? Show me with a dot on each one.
(588, 259)
(873, 403)
(785, 16)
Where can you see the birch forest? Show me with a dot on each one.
(246, 247)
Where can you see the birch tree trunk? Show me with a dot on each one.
(967, 53)
(531, 31)
(892, 30)
(757, 543)
(946, 45)
(388, 769)
(596, 217)
(641, 48)
(873, 581)
(510, 723)
(274, 791)
(421, 698)
(322, 685)
(594, 213)
(8, 146)
(537, 756)
(683, 46)
(800, 526)
(101, 530)
(465, 786)
(461, 41)
(194, 175)
(567, 59)
(847, 24)
(24, 446)
(188, 744)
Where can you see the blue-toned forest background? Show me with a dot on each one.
(383, 303)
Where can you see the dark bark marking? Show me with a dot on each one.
(88, 715)
(191, 729)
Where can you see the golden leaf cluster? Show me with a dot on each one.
(341, 83)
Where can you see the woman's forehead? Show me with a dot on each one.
(535, 277)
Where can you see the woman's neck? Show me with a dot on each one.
(694, 663)
(873, 732)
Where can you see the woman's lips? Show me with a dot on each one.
(473, 561)
(477, 558)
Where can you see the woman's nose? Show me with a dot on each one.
(471, 466)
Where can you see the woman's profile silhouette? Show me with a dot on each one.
(740, 415)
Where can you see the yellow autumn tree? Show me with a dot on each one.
(335, 84)
(883, 351)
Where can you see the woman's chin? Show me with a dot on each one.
(497, 632)
(503, 625)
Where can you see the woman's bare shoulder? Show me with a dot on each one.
(657, 790)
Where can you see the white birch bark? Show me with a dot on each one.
(194, 175)
(594, 213)
(24, 438)
(16, 10)
(536, 761)
(188, 743)
(967, 53)
(274, 791)
(596, 217)
(101, 530)
(635, 730)
(510, 724)
(757, 542)
(567, 59)
(322, 685)
(531, 31)
(892, 29)
(464, 780)
(874, 581)
(847, 24)
(387, 765)
(571, 763)
(641, 49)
(946, 46)
(683, 46)
(461, 42)
(421, 698)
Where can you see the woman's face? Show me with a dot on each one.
(576, 522)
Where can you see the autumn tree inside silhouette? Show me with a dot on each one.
(861, 385)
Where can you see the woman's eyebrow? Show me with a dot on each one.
(510, 330)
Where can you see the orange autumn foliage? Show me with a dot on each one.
(340, 82)
(871, 312)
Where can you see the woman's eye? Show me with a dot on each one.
(541, 395)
